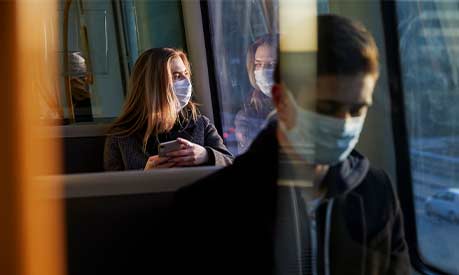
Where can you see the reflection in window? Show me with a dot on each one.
(243, 83)
(429, 47)
(80, 80)
(231, 38)
(91, 80)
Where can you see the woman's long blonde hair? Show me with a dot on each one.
(151, 107)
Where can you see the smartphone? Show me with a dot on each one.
(166, 147)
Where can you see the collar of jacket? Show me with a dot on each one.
(340, 178)
(345, 176)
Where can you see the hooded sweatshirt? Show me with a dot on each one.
(240, 220)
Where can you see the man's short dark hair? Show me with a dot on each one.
(345, 47)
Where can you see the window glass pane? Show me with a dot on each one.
(429, 47)
(159, 24)
(88, 40)
(235, 25)
(241, 32)
(152, 24)
(323, 6)
(99, 42)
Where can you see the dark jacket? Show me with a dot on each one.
(250, 120)
(227, 222)
(126, 153)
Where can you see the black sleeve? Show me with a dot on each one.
(218, 153)
(113, 160)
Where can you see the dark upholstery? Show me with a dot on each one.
(123, 234)
(83, 154)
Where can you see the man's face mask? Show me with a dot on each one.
(264, 80)
(320, 139)
(182, 90)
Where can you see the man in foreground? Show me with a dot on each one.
(302, 200)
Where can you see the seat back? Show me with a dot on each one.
(119, 222)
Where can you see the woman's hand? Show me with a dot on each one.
(191, 154)
(156, 161)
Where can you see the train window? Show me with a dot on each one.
(91, 80)
(231, 37)
(243, 90)
(429, 47)
(99, 42)
(153, 24)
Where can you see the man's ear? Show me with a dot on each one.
(277, 94)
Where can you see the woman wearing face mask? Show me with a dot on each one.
(158, 109)
(261, 61)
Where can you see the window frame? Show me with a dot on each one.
(211, 66)
(216, 108)
(401, 137)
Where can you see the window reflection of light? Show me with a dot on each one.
(298, 25)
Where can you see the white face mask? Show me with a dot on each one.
(265, 80)
(182, 90)
(320, 139)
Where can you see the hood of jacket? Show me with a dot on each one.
(340, 178)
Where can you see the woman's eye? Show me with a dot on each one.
(271, 65)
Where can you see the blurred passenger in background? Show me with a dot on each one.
(79, 85)
(159, 108)
(261, 61)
